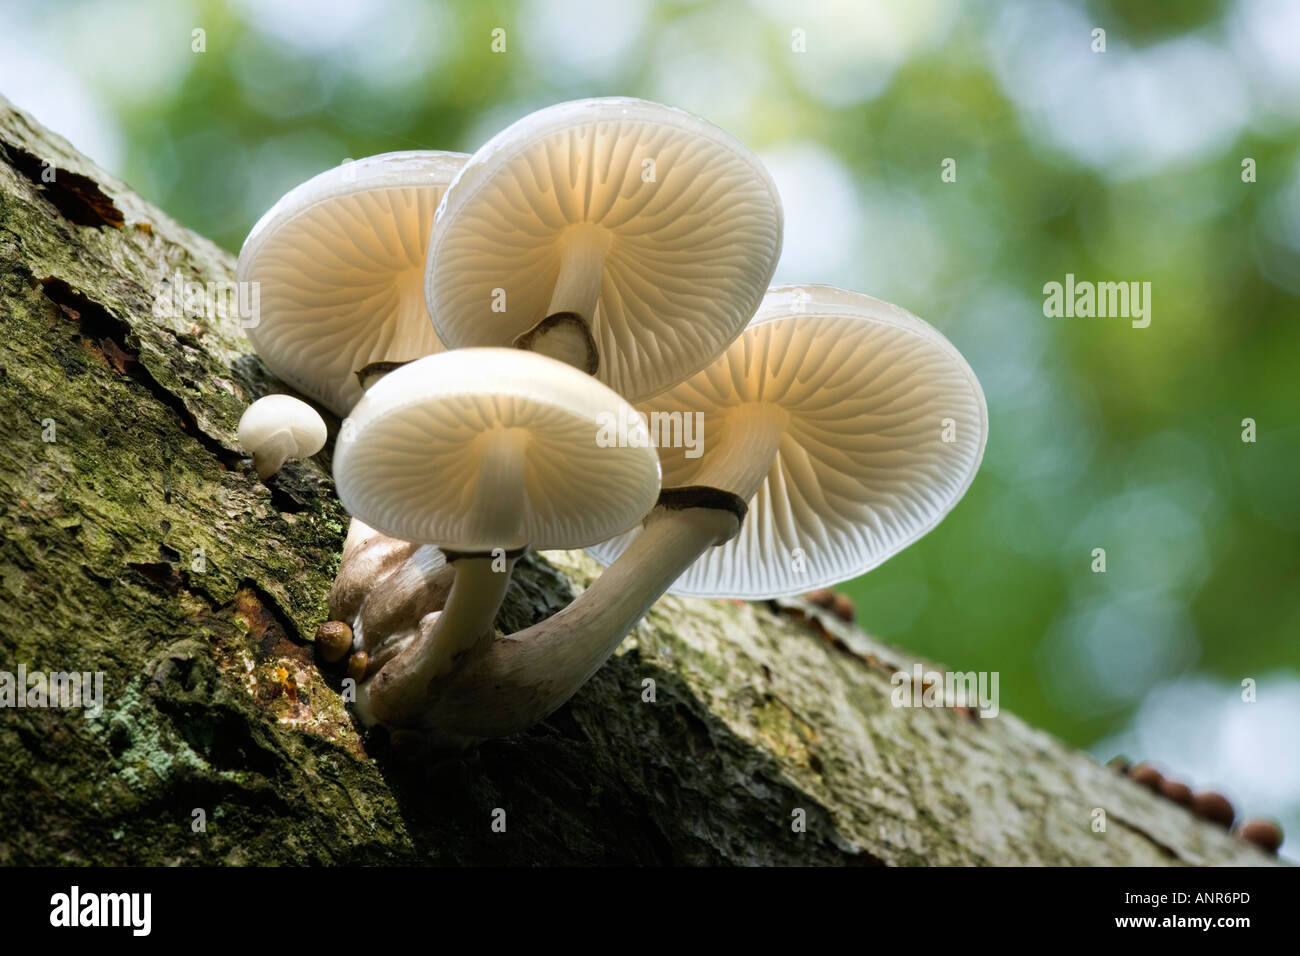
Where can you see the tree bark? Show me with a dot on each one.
(137, 541)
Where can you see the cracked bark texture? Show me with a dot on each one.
(140, 543)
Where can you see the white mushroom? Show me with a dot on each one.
(483, 452)
(825, 446)
(826, 432)
(626, 238)
(340, 262)
(850, 428)
(276, 428)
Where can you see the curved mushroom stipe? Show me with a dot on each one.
(397, 694)
(563, 336)
(368, 558)
(504, 684)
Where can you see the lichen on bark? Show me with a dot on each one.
(138, 542)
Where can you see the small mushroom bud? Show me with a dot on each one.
(1179, 793)
(1265, 834)
(276, 428)
(1213, 807)
(333, 640)
(1148, 776)
(1120, 764)
(357, 665)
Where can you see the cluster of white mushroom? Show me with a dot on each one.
(601, 260)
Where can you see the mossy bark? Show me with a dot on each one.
(138, 542)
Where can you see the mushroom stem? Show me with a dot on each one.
(582, 262)
(273, 451)
(499, 492)
(563, 336)
(751, 438)
(565, 333)
(519, 679)
(399, 692)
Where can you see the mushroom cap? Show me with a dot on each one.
(340, 262)
(412, 457)
(860, 389)
(272, 414)
(688, 255)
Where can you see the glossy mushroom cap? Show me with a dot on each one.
(670, 223)
(479, 449)
(276, 428)
(340, 261)
(836, 407)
